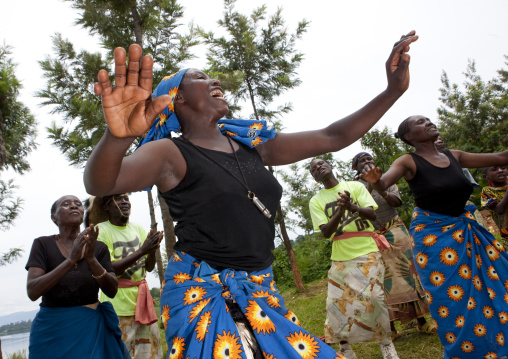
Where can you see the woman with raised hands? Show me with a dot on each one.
(219, 295)
(462, 267)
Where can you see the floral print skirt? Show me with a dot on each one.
(197, 323)
(464, 272)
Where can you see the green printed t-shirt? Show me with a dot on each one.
(322, 208)
(121, 242)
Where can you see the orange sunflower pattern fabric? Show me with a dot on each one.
(464, 271)
(197, 323)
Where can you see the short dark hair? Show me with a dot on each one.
(403, 130)
(319, 158)
(54, 206)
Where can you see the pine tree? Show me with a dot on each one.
(474, 118)
(17, 140)
(70, 75)
(266, 59)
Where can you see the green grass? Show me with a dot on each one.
(161, 326)
(309, 306)
(21, 354)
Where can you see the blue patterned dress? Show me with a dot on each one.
(464, 271)
(198, 325)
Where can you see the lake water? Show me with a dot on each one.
(14, 343)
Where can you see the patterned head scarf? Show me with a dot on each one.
(248, 132)
(356, 158)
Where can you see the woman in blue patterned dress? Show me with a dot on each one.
(463, 269)
(219, 281)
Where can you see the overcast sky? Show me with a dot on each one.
(345, 49)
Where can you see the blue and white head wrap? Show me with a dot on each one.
(249, 132)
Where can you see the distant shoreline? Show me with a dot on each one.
(14, 332)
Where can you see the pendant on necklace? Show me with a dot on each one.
(259, 204)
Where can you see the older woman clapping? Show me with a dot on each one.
(67, 270)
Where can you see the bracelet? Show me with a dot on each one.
(100, 276)
(356, 212)
(387, 193)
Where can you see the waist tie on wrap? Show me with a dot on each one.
(145, 310)
(380, 240)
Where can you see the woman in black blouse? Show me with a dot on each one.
(67, 270)
(462, 267)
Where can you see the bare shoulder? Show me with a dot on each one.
(173, 164)
(406, 166)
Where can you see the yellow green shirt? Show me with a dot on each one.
(322, 208)
(121, 242)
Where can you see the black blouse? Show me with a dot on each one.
(440, 190)
(77, 287)
(216, 222)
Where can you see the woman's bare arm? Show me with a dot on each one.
(289, 148)
(403, 166)
(129, 112)
(479, 160)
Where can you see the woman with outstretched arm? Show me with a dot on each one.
(218, 285)
(463, 268)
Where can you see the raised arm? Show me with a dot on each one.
(129, 112)
(289, 148)
(403, 166)
(478, 160)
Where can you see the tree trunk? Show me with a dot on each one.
(289, 250)
(153, 225)
(280, 216)
(251, 95)
(169, 228)
(137, 26)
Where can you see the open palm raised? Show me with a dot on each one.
(128, 106)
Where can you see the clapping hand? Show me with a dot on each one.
(92, 233)
(128, 106)
(152, 242)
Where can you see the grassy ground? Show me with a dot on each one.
(309, 306)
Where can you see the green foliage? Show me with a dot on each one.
(16, 328)
(385, 149)
(310, 308)
(10, 256)
(152, 24)
(71, 74)
(20, 354)
(69, 90)
(10, 207)
(266, 56)
(299, 189)
(309, 269)
(155, 292)
(18, 127)
(475, 118)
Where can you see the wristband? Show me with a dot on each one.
(100, 276)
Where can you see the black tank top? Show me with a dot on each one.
(440, 190)
(216, 222)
